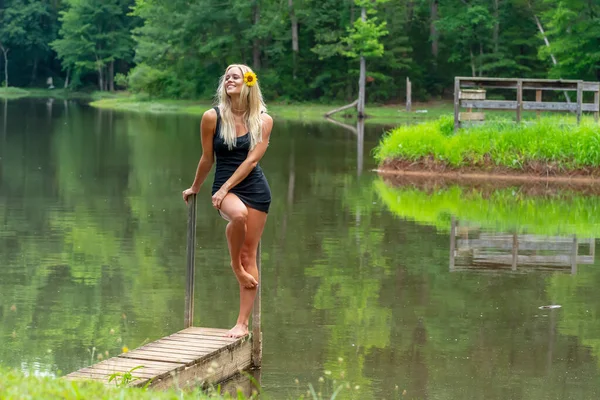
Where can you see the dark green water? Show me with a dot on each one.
(92, 256)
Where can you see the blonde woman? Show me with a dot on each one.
(237, 133)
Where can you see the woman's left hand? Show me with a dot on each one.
(218, 197)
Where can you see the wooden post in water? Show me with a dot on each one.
(452, 241)
(408, 94)
(256, 310)
(515, 251)
(190, 265)
(574, 251)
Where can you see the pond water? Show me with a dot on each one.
(359, 285)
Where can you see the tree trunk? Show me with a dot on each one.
(473, 68)
(363, 76)
(67, 78)
(100, 78)
(111, 76)
(480, 58)
(295, 47)
(5, 51)
(433, 30)
(34, 71)
(256, 42)
(496, 32)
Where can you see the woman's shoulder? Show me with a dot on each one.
(210, 115)
(266, 117)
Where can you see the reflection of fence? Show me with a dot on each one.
(477, 98)
(474, 250)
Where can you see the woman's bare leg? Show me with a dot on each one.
(254, 228)
(236, 213)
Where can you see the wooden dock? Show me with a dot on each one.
(474, 250)
(191, 357)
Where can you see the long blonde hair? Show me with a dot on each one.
(251, 101)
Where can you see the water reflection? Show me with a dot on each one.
(357, 286)
(476, 250)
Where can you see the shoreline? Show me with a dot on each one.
(381, 114)
(470, 174)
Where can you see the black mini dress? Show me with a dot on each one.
(254, 190)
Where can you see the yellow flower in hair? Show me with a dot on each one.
(250, 78)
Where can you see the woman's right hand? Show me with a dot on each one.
(188, 192)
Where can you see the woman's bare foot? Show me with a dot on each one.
(245, 279)
(238, 331)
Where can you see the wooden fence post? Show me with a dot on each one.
(256, 311)
(190, 270)
(579, 100)
(597, 104)
(538, 98)
(456, 102)
(519, 99)
(408, 94)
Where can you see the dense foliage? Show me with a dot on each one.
(303, 49)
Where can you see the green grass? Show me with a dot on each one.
(564, 213)
(57, 93)
(16, 386)
(557, 140)
(12, 93)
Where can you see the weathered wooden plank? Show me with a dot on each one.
(191, 350)
(507, 244)
(507, 259)
(206, 331)
(79, 376)
(192, 336)
(211, 369)
(178, 350)
(472, 94)
(456, 103)
(187, 341)
(139, 373)
(528, 83)
(157, 356)
(490, 104)
(471, 116)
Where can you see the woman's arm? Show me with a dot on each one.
(207, 130)
(249, 163)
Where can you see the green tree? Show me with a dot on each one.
(94, 34)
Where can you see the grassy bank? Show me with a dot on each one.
(563, 212)
(383, 114)
(59, 94)
(16, 386)
(552, 145)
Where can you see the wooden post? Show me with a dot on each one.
(519, 99)
(256, 310)
(190, 270)
(452, 241)
(456, 102)
(574, 249)
(538, 98)
(579, 100)
(515, 252)
(408, 94)
(597, 104)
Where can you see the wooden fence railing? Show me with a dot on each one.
(469, 92)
